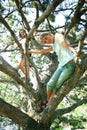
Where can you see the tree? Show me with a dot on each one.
(15, 15)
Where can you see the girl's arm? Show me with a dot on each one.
(62, 40)
(40, 51)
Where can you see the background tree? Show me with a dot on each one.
(18, 99)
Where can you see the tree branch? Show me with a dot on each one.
(46, 13)
(17, 116)
(3, 21)
(61, 112)
(22, 14)
(81, 43)
(77, 15)
(12, 72)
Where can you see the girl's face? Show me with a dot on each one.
(22, 34)
(47, 39)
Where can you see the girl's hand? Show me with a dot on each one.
(77, 54)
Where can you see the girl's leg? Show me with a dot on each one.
(52, 83)
(50, 94)
(68, 70)
(22, 67)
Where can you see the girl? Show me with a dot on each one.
(22, 34)
(66, 57)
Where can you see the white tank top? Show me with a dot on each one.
(64, 54)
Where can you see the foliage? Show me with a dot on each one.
(36, 17)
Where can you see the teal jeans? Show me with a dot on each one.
(60, 76)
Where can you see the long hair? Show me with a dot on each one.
(21, 31)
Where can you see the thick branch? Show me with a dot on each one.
(16, 115)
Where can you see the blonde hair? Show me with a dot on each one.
(44, 34)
